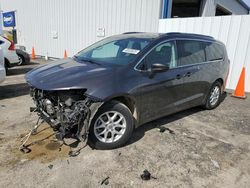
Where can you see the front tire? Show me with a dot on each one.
(111, 127)
(214, 96)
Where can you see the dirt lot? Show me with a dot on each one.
(205, 149)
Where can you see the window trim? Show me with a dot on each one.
(204, 40)
(175, 41)
(201, 43)
(158, 44)
(224, 54)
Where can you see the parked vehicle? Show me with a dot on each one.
(2, 68)
(121, 82)
(9, 52)
(24, 57)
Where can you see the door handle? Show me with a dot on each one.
(188, 74)
(178, 76)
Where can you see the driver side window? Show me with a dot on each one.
(164, 53)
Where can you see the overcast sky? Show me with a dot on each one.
(247, 2)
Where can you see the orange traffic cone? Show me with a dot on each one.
(33, 55)
(65, 54)
(240, 88)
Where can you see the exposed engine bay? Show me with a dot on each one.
(68, 112)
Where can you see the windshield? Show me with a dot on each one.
(113, 51)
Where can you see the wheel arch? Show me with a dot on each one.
(220, 80)
(21, 55)
(128, 101)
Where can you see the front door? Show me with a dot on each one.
(159, 92)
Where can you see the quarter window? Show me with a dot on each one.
(214, 51)
(163, 54)
(190, 52)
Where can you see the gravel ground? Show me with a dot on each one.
(199, 149)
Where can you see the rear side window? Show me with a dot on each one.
(1, 42)
(214, 51)
(190, 52)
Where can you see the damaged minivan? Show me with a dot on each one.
(110, 88)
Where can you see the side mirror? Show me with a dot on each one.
(157, 67)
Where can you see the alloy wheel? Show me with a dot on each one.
(20, 60)
(110, 127)
(215, 94)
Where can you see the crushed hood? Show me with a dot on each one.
(68, 74)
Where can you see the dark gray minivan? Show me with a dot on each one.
(123, 81)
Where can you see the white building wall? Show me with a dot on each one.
(233, 31)
(76, 21)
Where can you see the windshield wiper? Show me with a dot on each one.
(87, 60)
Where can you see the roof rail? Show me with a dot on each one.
(174, 33)
(133, 32)
(193, 34)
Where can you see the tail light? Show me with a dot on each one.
(12, 45)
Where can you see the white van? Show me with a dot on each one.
(2, 68)
(10, 57)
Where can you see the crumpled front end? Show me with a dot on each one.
(68, 112)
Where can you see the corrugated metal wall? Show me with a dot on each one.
(77, 21)
(234, 31)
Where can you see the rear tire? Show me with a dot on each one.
(214, 96)
(21, 60)
(111, 127)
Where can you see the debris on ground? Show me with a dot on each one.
(75, 146)
(23, 161)
(184, 134)
(67, 161)
(147, 175)
(74, 153)
(215, 163)
(1, 133)
(25, 149)
(50, 166)
(191, 137)
(170, 131)
(163, 129)
(105, 181)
